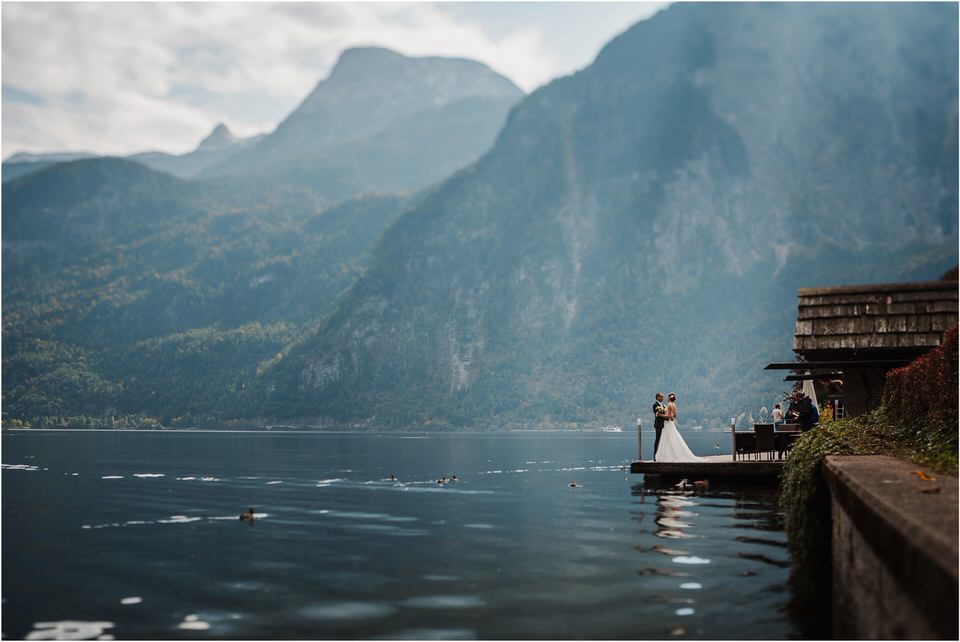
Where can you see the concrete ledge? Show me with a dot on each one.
(895, 557)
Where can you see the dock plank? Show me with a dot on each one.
(716, 466)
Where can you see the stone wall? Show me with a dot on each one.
(894, 549)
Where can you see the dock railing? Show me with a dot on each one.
(639, 442)
(733, 436)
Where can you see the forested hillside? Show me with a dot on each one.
(127, 291)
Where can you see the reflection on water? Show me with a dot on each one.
(145, 542)
(709, 557)
(70, 630)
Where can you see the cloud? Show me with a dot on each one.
(122, 77)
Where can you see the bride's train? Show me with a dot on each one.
(672, 446)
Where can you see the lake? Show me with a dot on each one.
(136, 535)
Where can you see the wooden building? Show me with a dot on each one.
(860, 332)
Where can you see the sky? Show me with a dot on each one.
(118, 78)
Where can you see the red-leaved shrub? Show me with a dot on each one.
(922, 396)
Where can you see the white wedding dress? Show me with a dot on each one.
(672, 446)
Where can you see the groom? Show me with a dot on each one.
(659, 412)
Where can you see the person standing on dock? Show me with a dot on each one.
(659, 414)
(674, 448)
(808, 415)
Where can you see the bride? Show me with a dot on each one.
(672, 446)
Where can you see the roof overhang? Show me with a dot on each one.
(820, 366)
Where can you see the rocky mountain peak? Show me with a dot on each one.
(363, 76)
(356, 58)
(220, 138)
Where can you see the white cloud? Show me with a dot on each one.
(123, 77)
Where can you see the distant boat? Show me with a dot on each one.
(612, 429)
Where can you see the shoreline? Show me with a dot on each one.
(359, 431)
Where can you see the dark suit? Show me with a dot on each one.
(657, 425)
(806, 414)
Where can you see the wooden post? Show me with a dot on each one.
(733, 436)
(639, 442)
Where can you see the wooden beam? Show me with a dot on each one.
(838, 365)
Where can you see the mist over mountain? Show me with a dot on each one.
(643, 224)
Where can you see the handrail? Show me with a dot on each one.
(639, 442)
(733, 436)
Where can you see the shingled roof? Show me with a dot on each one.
(857, 320)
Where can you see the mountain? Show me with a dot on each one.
(74, 203)
(451, 107)
(643, 225)
(130, 291)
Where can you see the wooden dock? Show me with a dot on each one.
(716, 467)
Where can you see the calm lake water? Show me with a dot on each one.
(136, 535)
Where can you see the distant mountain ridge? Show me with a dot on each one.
(53, 157)
(24, 163)
(215, 147)
(219, 145)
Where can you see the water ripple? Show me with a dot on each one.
(347, 611)
(445, 602)
(434, 634)
(690, 559)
